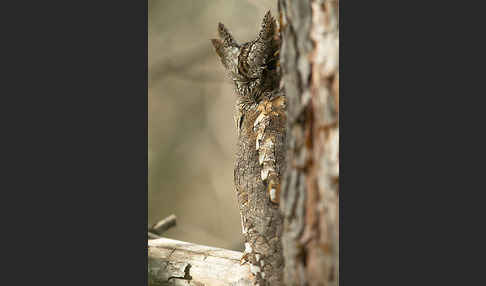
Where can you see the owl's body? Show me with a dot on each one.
(260, 120)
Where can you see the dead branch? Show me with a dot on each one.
(163, 225)
(173, 262)
(152, 236)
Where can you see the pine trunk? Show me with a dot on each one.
(309, 59)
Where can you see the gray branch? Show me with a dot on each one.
(173, 262)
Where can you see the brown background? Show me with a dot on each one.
(191, 131)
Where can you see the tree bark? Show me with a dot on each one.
(309, 59)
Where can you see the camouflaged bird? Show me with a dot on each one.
(260, 118)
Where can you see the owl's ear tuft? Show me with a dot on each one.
(226, 36)
(218, 46)
(268, 29)
(263, 48)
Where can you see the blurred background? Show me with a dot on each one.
(192, 136)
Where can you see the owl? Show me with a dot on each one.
(260, 105)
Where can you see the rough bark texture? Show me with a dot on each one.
(173, 262)
(309, 59)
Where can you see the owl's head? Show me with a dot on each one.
(252, 65)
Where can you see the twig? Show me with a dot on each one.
(163, 225)
(152, 236)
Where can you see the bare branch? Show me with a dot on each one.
(163, 225)
(152, 236)
(191, 264)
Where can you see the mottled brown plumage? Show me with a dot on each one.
(260, 116)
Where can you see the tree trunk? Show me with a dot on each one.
(309, 59)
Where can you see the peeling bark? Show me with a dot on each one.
(309, 60)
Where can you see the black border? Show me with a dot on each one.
(76, 105)
(387, 87)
